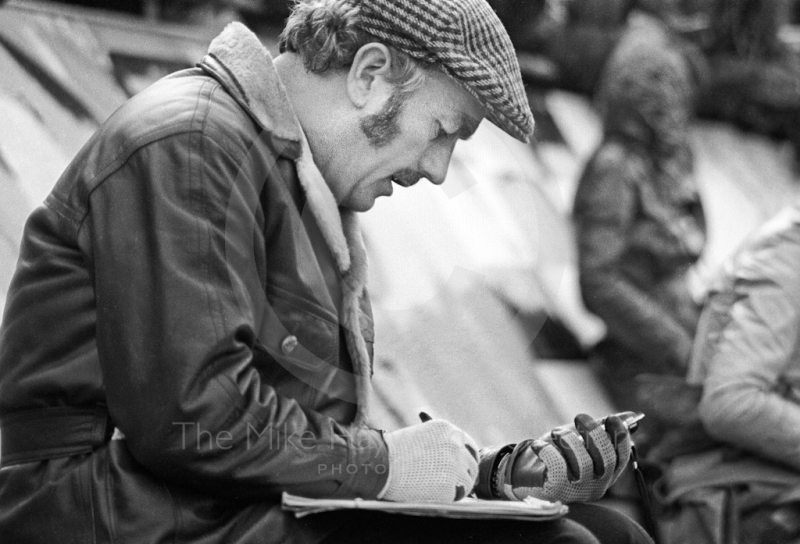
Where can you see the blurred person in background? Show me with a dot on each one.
(752, 72)
(639, 221)
(188, 333)
(742, 482)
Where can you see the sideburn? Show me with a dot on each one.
(382, 128)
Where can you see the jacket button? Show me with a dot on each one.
(288, 344)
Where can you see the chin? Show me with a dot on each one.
(359, 205)
(362, 201)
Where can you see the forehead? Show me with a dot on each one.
(449, 100)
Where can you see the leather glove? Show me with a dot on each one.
(433, 461)
(570, 464)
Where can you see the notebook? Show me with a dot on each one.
(530, 509)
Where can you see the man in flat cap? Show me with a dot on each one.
(188, 333)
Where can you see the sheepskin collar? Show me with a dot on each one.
(238, 60)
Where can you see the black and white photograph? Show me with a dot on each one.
(400, 271)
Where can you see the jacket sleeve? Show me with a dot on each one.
(605, 211)
(176, 333)
(743, 401)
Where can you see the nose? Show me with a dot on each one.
(435, 162)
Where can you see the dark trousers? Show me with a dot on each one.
(585, 524)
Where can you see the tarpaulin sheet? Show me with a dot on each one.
(457, 272)
(452, 264)
(464, 357)
(64, 126)
(67, 53)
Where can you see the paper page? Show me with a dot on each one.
(468, 508)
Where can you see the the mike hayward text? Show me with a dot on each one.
(277, 437)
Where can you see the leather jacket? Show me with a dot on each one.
(180, 280)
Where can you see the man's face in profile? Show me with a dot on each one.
(411, 137)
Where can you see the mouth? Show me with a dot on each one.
(403, 182)
(398, 181)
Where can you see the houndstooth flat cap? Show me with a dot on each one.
(467, 40)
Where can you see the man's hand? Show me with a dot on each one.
(570, 464)
(433, 462)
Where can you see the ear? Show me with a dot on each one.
(368, 79)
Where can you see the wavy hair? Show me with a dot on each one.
(327, 35)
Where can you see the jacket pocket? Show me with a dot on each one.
(297, 333)
(298, 350)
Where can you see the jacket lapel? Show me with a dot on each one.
(244, 67)
(342, 233)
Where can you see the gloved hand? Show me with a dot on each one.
(569, 464)
(433, 462)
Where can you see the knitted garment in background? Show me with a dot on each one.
(647, 87)
(430, 462)
(646, 94)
